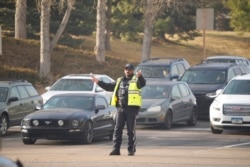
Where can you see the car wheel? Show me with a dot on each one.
(193, 118)
(4, 122)
(168, 121)
(29, 141)
(216, 131)
(88, 133)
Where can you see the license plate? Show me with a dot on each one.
(237, 120)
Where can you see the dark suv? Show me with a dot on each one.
(166, 68)
(17, 99)
(205, 79)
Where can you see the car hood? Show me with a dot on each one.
(59, 113)
(205, 88)
(146, 103)
(233, 99)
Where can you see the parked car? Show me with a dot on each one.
(205, 79)
(244, 62)
(77, 83)
(72, 116)
(166, 103)
(231, 108)
(163, 68)
(17, 99)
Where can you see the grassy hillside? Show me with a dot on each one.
(23, 55)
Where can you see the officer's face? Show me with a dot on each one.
(128, 72)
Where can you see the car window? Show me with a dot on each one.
(237, 71)
(31, 90)
(77, 102)
(3, 94)
(231, 74)
(176, 94)
(158, 71)
(181, 69)
(101, 101)
(73, 85)
(204, 76)
(238, 87)
(14, 92)
(184, 90)
(23, 92)
(174, 70)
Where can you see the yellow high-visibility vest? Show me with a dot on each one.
(134, 94)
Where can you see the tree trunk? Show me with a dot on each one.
(152, 9)
(100, 31)
(20, 19)
(63, 24)
(147, 41)
(44, 38)
(108, 25)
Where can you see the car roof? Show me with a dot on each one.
(14, 82)
(213, 66)
(78, 94)
(163, 82)
(225, 57)
(242, 77)
(160, 60)
(81, 76)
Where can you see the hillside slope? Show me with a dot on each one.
(24, 54)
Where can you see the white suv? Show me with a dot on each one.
(231, 108)
(78, 83)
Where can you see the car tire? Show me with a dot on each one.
(28, 141)
(193, 118)
(4, 122)
(168, 121)
(88, 133)
(216, 131)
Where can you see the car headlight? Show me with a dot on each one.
(154, 109)
(25, 122)
(216, 105)
(211, 95)
(60, 122)
(35, 122)
(75, 123)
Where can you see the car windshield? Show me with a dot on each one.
(238, 87)
(204, 76)
(155, 92)
(77, 102)
(154, 71)
(3, 94)
(73, 85)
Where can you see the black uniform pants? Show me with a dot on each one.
(125, 115)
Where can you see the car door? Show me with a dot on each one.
(15, 108)
(177, 103)
(187, 101)
(103, 120)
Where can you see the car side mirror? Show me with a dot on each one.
(12, 99)
(218, 92)
(47, 88)
(99, 107)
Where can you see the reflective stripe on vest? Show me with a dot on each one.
(134, 94)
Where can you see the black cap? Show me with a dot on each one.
(129, 66)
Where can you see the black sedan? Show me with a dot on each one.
(76, 116)
(165, 103)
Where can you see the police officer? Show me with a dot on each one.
(127, 99)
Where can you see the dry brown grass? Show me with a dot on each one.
(24, 54)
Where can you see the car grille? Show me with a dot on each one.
(49, 123)
(236, 110)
